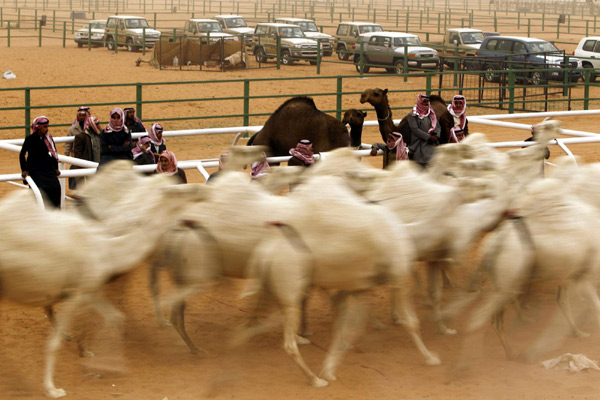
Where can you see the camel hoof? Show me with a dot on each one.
(580, 334)
(433, 360)
(198, 351)
(328, 375)
(302, 340)
(68, 336)
(447, 331)
(164, 323)
(398, 321)
(86, 354)
(306, 333)
(55, 393)
(319, 383)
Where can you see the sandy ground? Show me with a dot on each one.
(143, 361)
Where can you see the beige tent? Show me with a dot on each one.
(191, 52)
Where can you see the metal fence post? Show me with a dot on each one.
(39, 33)
(64, 34)
(405, 62)
(318, 56)
(338, 99)
(362, 58)
(246, 102)
(90, 36)
(586, 89)
(566, 76)
(456, 65)
(117, 38)
(428, 83)
(511, 89)
(278, 52)
(8, 34)
(154, 27)
(144, 40)
(138, 100)
(27, 111)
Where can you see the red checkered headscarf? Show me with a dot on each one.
(114, 126)
(35, 125)
(422, 111)
(172, 167)
(304, 152)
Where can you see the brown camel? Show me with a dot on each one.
(298, 118)
(355, 118)
(378, 99)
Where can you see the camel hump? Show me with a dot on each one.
(298, 100)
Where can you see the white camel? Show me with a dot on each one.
(49, 257)
(324, 247)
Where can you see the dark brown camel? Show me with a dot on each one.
(298, 118)
(355, 118)
(378, 99)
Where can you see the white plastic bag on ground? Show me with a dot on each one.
(571, 362)
(9, 75)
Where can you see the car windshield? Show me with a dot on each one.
(472, 37)
(209, 27)
(409, 41)
(291, 32)
(370, 28)
(235, 23)
(99, 25)
(136, 23)
(308, 26)
(541, 47)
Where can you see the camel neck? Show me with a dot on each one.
(356, 135)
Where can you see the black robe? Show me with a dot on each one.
(41, 166)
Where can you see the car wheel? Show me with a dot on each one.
(286, 58)
(399, 67)
(489, 75)
(110, 43)
(130, 46)
(537, 78)
(260, 55)
(592, 73)
(313, 63)
(366, 68)
(327, 54)
(390, 70)
(79, 44)
(342, 54)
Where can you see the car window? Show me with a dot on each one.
(491, 45)
(235, 23)
(272, 31)
(454, 38)
(98, 25)
(308, 26)
(505, 45)
(520, 48)
(136, 23)
(342, 30)
(597, 47)
(589, 45)
(472, 37)
(111, 23)
(541, 47)
(209, 27)
(386, 41)
(261, 30)
(355, 31)
(374, 40)
(409, 41)
(370, 28)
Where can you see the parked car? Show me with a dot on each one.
(294, 44)
(347, 33)
(130, 32)
(526, 53)
(386, 50)
(236, 25)
(588, 50)
(97, 36)
(206, 28)
(311, 31)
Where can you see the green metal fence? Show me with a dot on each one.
(36, 99)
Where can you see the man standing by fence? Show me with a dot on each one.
(41, 162)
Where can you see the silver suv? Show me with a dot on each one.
(131, 31)
(206, 28)
(236, 25)
(386, 50)
(311, 31)
(347, 34)
(294, 44)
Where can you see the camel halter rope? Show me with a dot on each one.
(385, 119)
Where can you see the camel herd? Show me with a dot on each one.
(344, 228)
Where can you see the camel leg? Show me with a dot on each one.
(178, 322)
(447, 282)
(590, 291)
(304, 332)
(154, 290)
(435, 294)
(411, 322)
(498, 325)
(290, 327)
(344, 315)
(562, 298)
(54, 344)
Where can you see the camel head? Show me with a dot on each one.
(354, 117)
(546, 131)
(375, 97)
